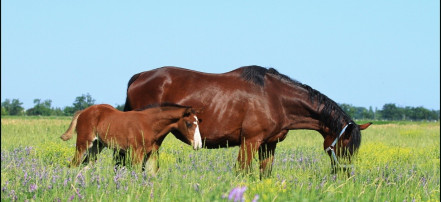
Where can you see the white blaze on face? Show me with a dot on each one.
(197, 140)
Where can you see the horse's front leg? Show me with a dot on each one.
(266, 158)
(246, 154)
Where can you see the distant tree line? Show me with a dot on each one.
(388, 112)
(392, 112)
(43, 108)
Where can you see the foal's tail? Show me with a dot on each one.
(68, 134)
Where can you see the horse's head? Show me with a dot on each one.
(343, 144)
(188, 128)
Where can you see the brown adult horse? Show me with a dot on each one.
(251, 106)
(143, 131)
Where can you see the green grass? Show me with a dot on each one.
(396, 162)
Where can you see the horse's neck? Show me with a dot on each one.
(297, 118)
(301, 112)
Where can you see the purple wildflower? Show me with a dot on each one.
(25, 177)
(32, 187)
(4, 188)
(323, 182)
(81, 179)
(134, 175)
(54, 179)
(71, 198)
(12, 195)
(423, 181)
(151, 193)
(256, 198)
(116, 180)
(196, 187)
(237, 194)
(28, 150)
(283, 183)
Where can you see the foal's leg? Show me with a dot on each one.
(266, 158)
(152, 161)
(119, 156)
(96, 148)
(83, 144)
(138, 157)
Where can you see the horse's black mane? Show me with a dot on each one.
(164, 104)
(331, 115)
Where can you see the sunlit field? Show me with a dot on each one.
(396, 162)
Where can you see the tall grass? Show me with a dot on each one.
(396, 162)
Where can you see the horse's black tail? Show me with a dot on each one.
(127, 106)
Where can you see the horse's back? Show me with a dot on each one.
(173, 84)
(227, 98)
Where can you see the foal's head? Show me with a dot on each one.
(187, 128)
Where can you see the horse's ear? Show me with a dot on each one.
(364, 126)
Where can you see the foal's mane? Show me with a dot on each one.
(331, 115)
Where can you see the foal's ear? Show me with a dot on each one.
(187, 112)
(364, 126)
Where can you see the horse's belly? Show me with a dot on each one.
(214, 140)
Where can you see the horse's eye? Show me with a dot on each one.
(189, 124)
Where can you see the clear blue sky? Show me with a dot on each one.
(364, 53)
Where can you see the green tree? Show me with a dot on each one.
(57, 112)
(349, 109)
(392, 112)
(4, 112)
(68, 111)
(80, 103)
(83, 101)
(40, 108)
(120, 107)
(12, 108)
(371, 113)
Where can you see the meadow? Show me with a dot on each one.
(397, 161)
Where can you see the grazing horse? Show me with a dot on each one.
(142, 131)
(251, 107)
